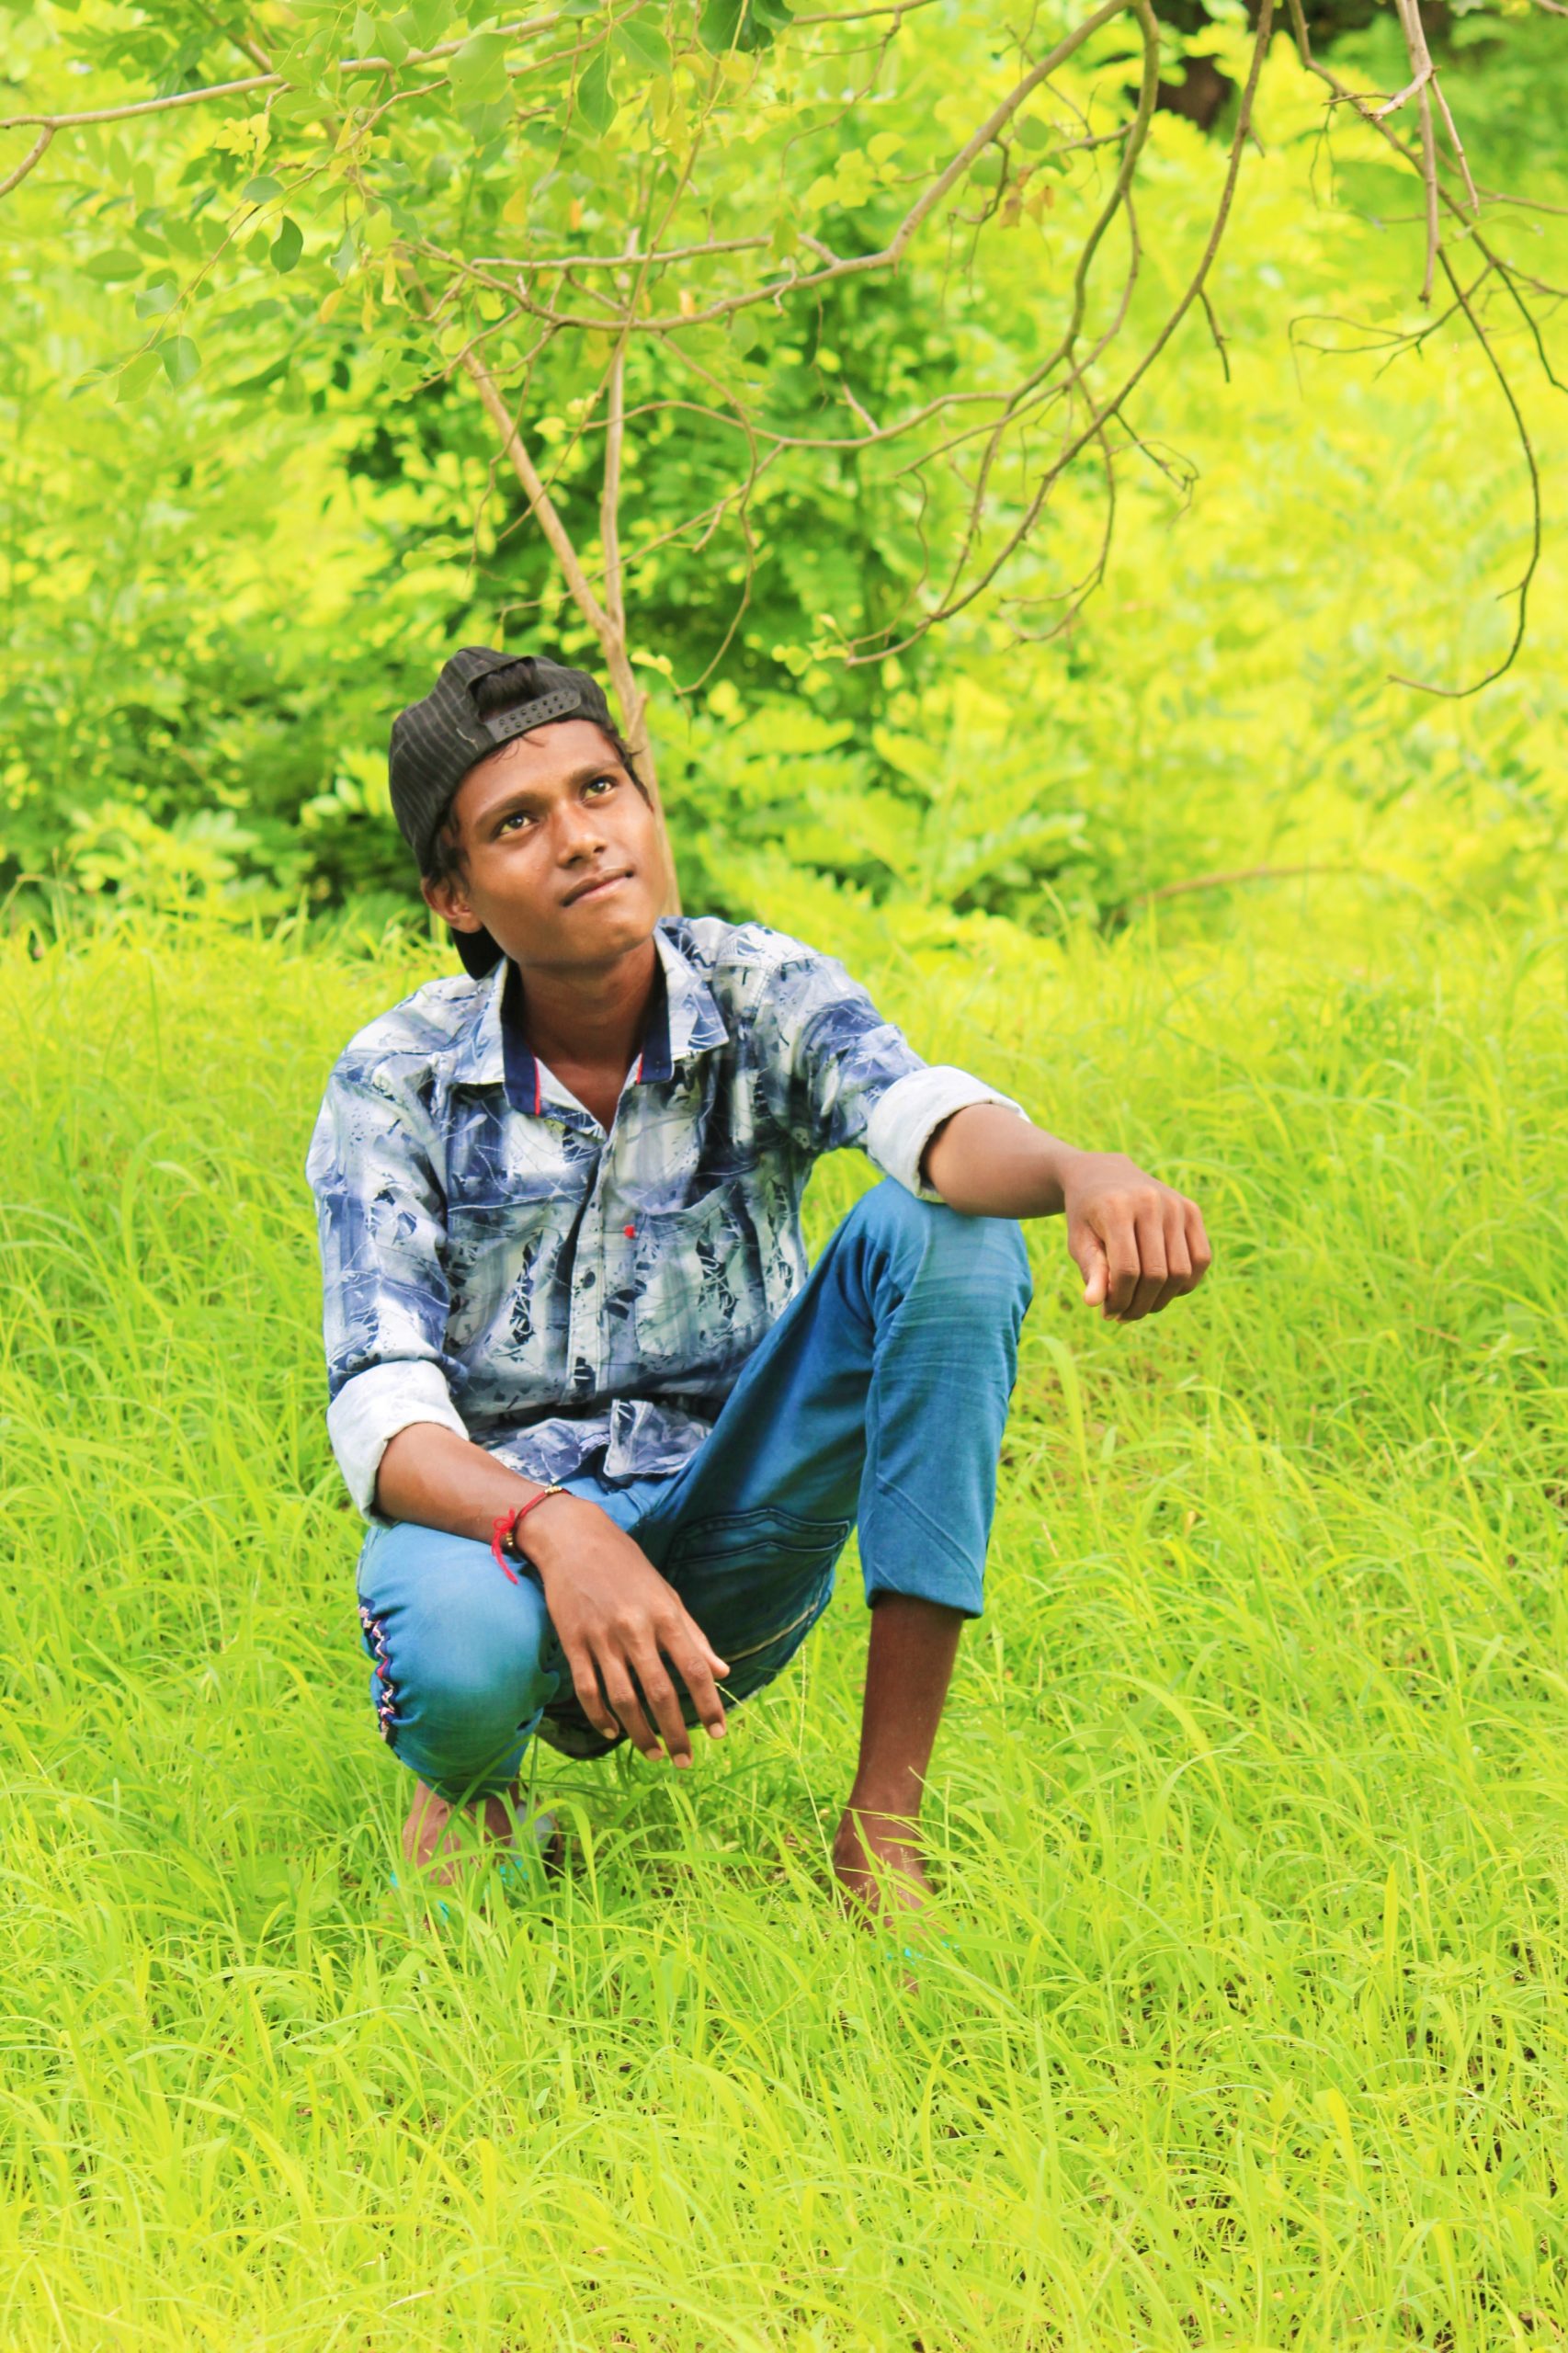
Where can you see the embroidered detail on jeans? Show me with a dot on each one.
(386, 1704)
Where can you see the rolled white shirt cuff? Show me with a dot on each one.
(913, 1108)
(368, 1411)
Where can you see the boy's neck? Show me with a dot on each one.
(590, 1020)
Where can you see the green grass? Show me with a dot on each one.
(1251, 2029)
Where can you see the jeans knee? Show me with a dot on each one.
(987, 1254)
(458, 1674)
(465, 1694)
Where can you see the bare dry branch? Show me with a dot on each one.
(35, 155)
(1522, 590)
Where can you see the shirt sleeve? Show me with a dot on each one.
(374, 1166)
(851, 1077)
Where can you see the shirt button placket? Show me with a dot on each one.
(586, 1327)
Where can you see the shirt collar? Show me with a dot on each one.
(696, 1024)
(683, 1021)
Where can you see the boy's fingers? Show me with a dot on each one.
(1152, 1267)
(693, 1668)
(1088, 1253)
(627, 1708)
(659, 1699)
(1178, 1263)
(1121, 1259)
(590, 1697)
(1197, 1244)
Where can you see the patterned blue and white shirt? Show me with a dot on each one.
(495, 1262)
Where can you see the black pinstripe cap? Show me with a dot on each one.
(436, 742)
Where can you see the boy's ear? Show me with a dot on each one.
(443, 894)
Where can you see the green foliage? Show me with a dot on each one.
(1246, 2027)
(250, 504)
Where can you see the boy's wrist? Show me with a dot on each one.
(547, 1534)
(1061, 1160)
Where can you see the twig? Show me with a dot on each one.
(1522, 591)
(1239, 874)
(652, 259)
(35, 155)
(547, 514)
(263, 81)
(1429, 175)
(1344, 96)
(1112, 407)
(889, 256)
(1214, 331)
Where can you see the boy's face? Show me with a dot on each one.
(560, 859)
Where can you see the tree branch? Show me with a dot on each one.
(262, 82)
(35, 155)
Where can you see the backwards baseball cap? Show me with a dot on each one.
(481, 700)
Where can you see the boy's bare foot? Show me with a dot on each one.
(878, 1864)
(443, 1842)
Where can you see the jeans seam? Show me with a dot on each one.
(941, 1536)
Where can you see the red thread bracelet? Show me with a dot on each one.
(504, 1528)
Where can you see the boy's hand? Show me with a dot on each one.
(622, 1626)
(1137, 1243)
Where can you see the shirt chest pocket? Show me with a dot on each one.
(502, 1260)
(689, 1287)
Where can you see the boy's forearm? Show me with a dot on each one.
(986, 1162)
(1137, 1242)
(430, 1475)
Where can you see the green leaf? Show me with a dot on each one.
(429, 20)
(135, 377)
(596, 99)
(299, 106)
(740, 24)
(153, 300)
(260, 191)
(117, 265)
(478, 70)
(364, 34)
(1031, 133)
(181, 360)
(390, 42)
(287, 245)
(249, 386)
(640, 40)
(345, 257)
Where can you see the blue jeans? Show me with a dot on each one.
(878, 1399)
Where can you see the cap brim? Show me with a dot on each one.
(478, 951)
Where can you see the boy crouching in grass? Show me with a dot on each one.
(610, 1433)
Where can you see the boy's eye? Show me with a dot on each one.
(601, 784)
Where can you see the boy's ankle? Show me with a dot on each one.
(877, 1828)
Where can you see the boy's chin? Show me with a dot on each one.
(584, 935)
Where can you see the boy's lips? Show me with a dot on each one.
(597, 885)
